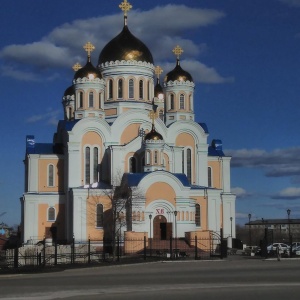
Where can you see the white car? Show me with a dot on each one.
(273, 247)
(297, 251)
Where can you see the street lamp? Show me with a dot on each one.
(175, 214)
(231, 226)
(250, 243)
(290, 242)
(150, 240)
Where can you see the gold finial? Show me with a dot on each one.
(89, 47)
(153, 115)
(125, 7)
(177, 51)
(76, 67)
(158, 70)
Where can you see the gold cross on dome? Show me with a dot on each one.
(177, 51)
(153, 115)
(89, 47)
(76, 67)
(125, 7)
(158, 70)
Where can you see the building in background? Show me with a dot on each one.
(129, 157)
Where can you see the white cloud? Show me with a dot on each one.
(50, 117)
(290, 193)
(240, 192)
(62, 47)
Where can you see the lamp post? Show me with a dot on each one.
(175, 214)
(150, 240)
(250, 243)
(231, 226)
(288, 213)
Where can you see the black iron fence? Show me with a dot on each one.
(119, 250)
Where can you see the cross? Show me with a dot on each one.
(158, 70)
(89, 47)
(177, 51)
(142, 132)
(153, 115)
(76, 67)
(125, 7)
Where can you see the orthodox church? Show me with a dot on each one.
(128, 157)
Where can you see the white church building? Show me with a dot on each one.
(124, 127)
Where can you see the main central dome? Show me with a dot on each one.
(125, 46)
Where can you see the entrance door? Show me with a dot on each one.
(162, 230)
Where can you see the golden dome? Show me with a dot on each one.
(125, 46)
(178, 74)
(153, 135)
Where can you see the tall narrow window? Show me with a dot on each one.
(189, 164)
(148, 91)
(95, 165)
(209, 178)
(131, 88)
(197, 215)
(181, 101)
(182, 163)
(50, 175)
(51, 214)
(100, 98)
(148, 157)
(120, 88)
(87, 165)
(80, 102)
(190, 103)
(99, 215)
(91, 99)
(110, 89)
(155, 157)
(171, 101)
(132, 165)
(141, 89)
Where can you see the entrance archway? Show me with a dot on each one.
(162, 230)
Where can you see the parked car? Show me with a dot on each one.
(295, 245)
(284, 247)
(251, 250)
(296, 251)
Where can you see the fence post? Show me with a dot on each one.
(55, 252)
(118, 248)
(145, 253)
(44, 252)
(171, 247)
(16, 257)
(196, 247)
(73, 250)
(89, 251)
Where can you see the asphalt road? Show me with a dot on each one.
(228, 279)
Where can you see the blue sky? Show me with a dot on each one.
(244, 56)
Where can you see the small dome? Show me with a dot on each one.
(69, 91)
(178, 74)
(125, 46)
(158, 89)
(88, 71)
(153, 135)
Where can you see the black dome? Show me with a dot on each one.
(153, 135)
(178, 74)
(70, 91)
(158, 89)
(125, 46)
(88, 70)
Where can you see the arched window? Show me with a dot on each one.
(187, 216)
(182, 216)
(100, 99)
(171, 101)
(87, 165)
(161, 115)
(155, 157)
(181, 101)
(95, 165)
(189, 164)
(190, 102)
(132, 165)
(182, 162)
(50, 175)
(209, 178)
(80, 102)
(91, 99)
(51, 214)
(141, 89)
(131, 88)
(99, 215)
(120, 88)
(148, 157)
(197, 215)
(148, 91)
(110, 89)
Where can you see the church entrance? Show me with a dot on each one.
(162, 230)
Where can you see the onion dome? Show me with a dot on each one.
(178, 73)
(69, 91)
(158, 90)
(153, 135)
(125, 46)
(88, 71)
